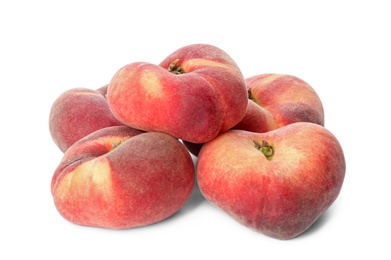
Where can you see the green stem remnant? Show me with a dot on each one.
(175, 68)
(265, 148)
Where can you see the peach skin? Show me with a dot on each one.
(281, 100)
(277, 183)
(276, 100)
(78, 112)
(194, 94)
(118, 177)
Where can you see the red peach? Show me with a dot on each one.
(119, 177)
(276, 100)
(76, 113)
(194, 94)
(277, 183)
(282, 100)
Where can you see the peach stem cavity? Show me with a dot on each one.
(265, 148)
(175, 68)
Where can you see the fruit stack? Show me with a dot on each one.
(261, 150)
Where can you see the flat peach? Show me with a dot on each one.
(119, 177)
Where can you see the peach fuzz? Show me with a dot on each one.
(277, 183)
(257, 119)
(119, 177)
(194, 94)
(76, 113)
(282, 99)
(274, 101)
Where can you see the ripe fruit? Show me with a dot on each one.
(277, 100)
(264, 156)
(194, 94)
(76, 113)
(119, 177)
(277, 183)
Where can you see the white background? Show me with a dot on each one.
(341, 48)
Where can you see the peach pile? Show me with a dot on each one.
(261, 150)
